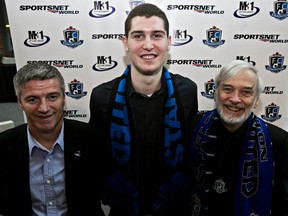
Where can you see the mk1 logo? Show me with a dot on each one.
(104, 60)
(245, 6)
(180, 34)
(180, 37)
(99, 5)
(247, 59)
(246, 10)
(101, 9)
(33, 35)
(36, 39)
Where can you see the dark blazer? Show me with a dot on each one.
(83, 178)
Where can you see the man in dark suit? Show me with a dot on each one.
(239, 162)
(49, 166)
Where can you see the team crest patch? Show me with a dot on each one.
(220, 186)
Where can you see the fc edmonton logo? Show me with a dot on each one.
(180, 38)
(246, 10)
(214, 36)
(101, 9)
(133, 4)
(209, 89)
(280, 10)
(36, 39)
(271, 113)
(71, 38)
(104, 64)
(276, 63)
(76, 89)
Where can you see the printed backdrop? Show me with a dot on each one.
(83, 40)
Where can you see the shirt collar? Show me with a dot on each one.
(33, 143)
(132, 91)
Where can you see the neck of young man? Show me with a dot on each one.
(146, 84)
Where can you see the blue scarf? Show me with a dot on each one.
(122, 190)
(255, 175)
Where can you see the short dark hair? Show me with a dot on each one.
(147, 10)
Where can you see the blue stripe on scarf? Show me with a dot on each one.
(120, 133)
(254, 190)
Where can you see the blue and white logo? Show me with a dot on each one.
(280, 10)
(76, 89)
(36, 39)
(214, 36)
(246, 10)
(271, 113)
(276, 63)
(101, 9)
(71, 38)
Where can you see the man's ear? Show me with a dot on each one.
(257, 102)
(19, 101)
(169, 42)
(214, 95)
(124, 42)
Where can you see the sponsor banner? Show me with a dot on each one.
(84, 42)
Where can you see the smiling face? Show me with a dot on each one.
(147, 44)
(43, 103)
(235, 98)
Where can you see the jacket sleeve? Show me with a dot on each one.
(280, 188)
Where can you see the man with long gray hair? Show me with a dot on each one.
(239, 163)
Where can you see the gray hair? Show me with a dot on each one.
(36, 71)
(235, 67)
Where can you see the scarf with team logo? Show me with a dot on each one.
(255, 175)
(122, 185)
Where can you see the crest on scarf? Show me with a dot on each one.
(219, 186)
